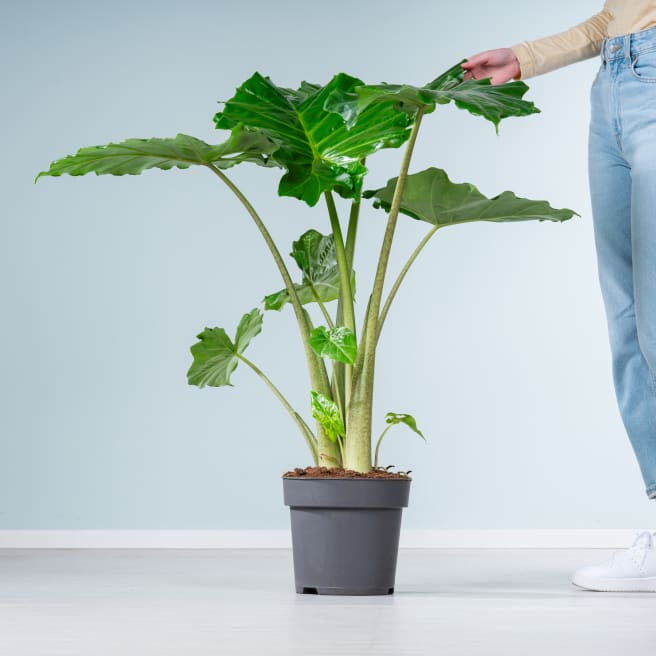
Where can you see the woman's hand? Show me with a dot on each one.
(501, 65)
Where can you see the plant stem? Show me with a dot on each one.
(305, 429)
(380, 439)
(322, 306)
(339, 369)
(316, 367)
(401, 276)
(346, 293)
(341, 447)
(335, 388)
(358, 443)
(342, 264)
(351, 233)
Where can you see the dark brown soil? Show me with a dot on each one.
(338, 472)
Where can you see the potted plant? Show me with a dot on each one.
(345, 508)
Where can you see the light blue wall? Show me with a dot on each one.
(497, 343)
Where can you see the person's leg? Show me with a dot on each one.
(639, 145)
(622, 173)
(611, 193)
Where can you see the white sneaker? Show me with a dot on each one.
(629, 570)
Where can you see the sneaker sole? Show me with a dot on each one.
(644, 584)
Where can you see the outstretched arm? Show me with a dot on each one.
(579, 42)
(530, 58)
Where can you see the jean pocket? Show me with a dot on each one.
(643, 66)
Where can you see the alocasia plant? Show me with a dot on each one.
(321, 136)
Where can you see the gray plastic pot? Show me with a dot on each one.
(345, 533)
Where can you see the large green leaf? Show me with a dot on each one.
(336, 343)
(315, 256)
(315, 146)
(430, 196)
(480, 97)
(326, 412)
(132, 156)
(216, 356)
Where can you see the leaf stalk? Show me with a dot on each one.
(305, 429)
(358, 443)
(317, 369)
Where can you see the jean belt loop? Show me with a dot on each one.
(627, 49)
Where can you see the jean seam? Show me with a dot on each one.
(642, 51)
(618, 135)
(641, 78)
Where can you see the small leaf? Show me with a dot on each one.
(216, 357)
(315, 256)
(336, 343)
(408, 420)
(249, 326)
(132, 156)
(430, 196)
(325, 290)
(326, 412)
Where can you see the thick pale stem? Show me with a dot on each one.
(318, 373)
(401, 276)
(358, 442)
(305, 429)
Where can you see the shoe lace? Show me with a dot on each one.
(643, 542)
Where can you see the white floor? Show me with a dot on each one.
(242, 602)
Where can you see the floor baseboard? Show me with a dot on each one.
(277, 539)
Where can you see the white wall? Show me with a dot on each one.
(497, 343)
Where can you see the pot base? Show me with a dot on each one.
(344, 591)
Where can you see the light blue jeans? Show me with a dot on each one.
(622, 175)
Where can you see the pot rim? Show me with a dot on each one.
(344, 478)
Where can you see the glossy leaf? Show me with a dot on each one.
(395, 418)
(315, 146)
(336, 343)
(215, 356)
(315, 256)
(326, 412)
(249, 326)
(480, 97)
(132, 156)
(327, 291)
(430, 196)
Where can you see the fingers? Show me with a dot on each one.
(478, 59)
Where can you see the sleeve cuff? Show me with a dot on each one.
(525, 59)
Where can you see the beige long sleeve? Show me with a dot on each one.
(579, 42)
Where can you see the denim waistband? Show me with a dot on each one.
(623, 47)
